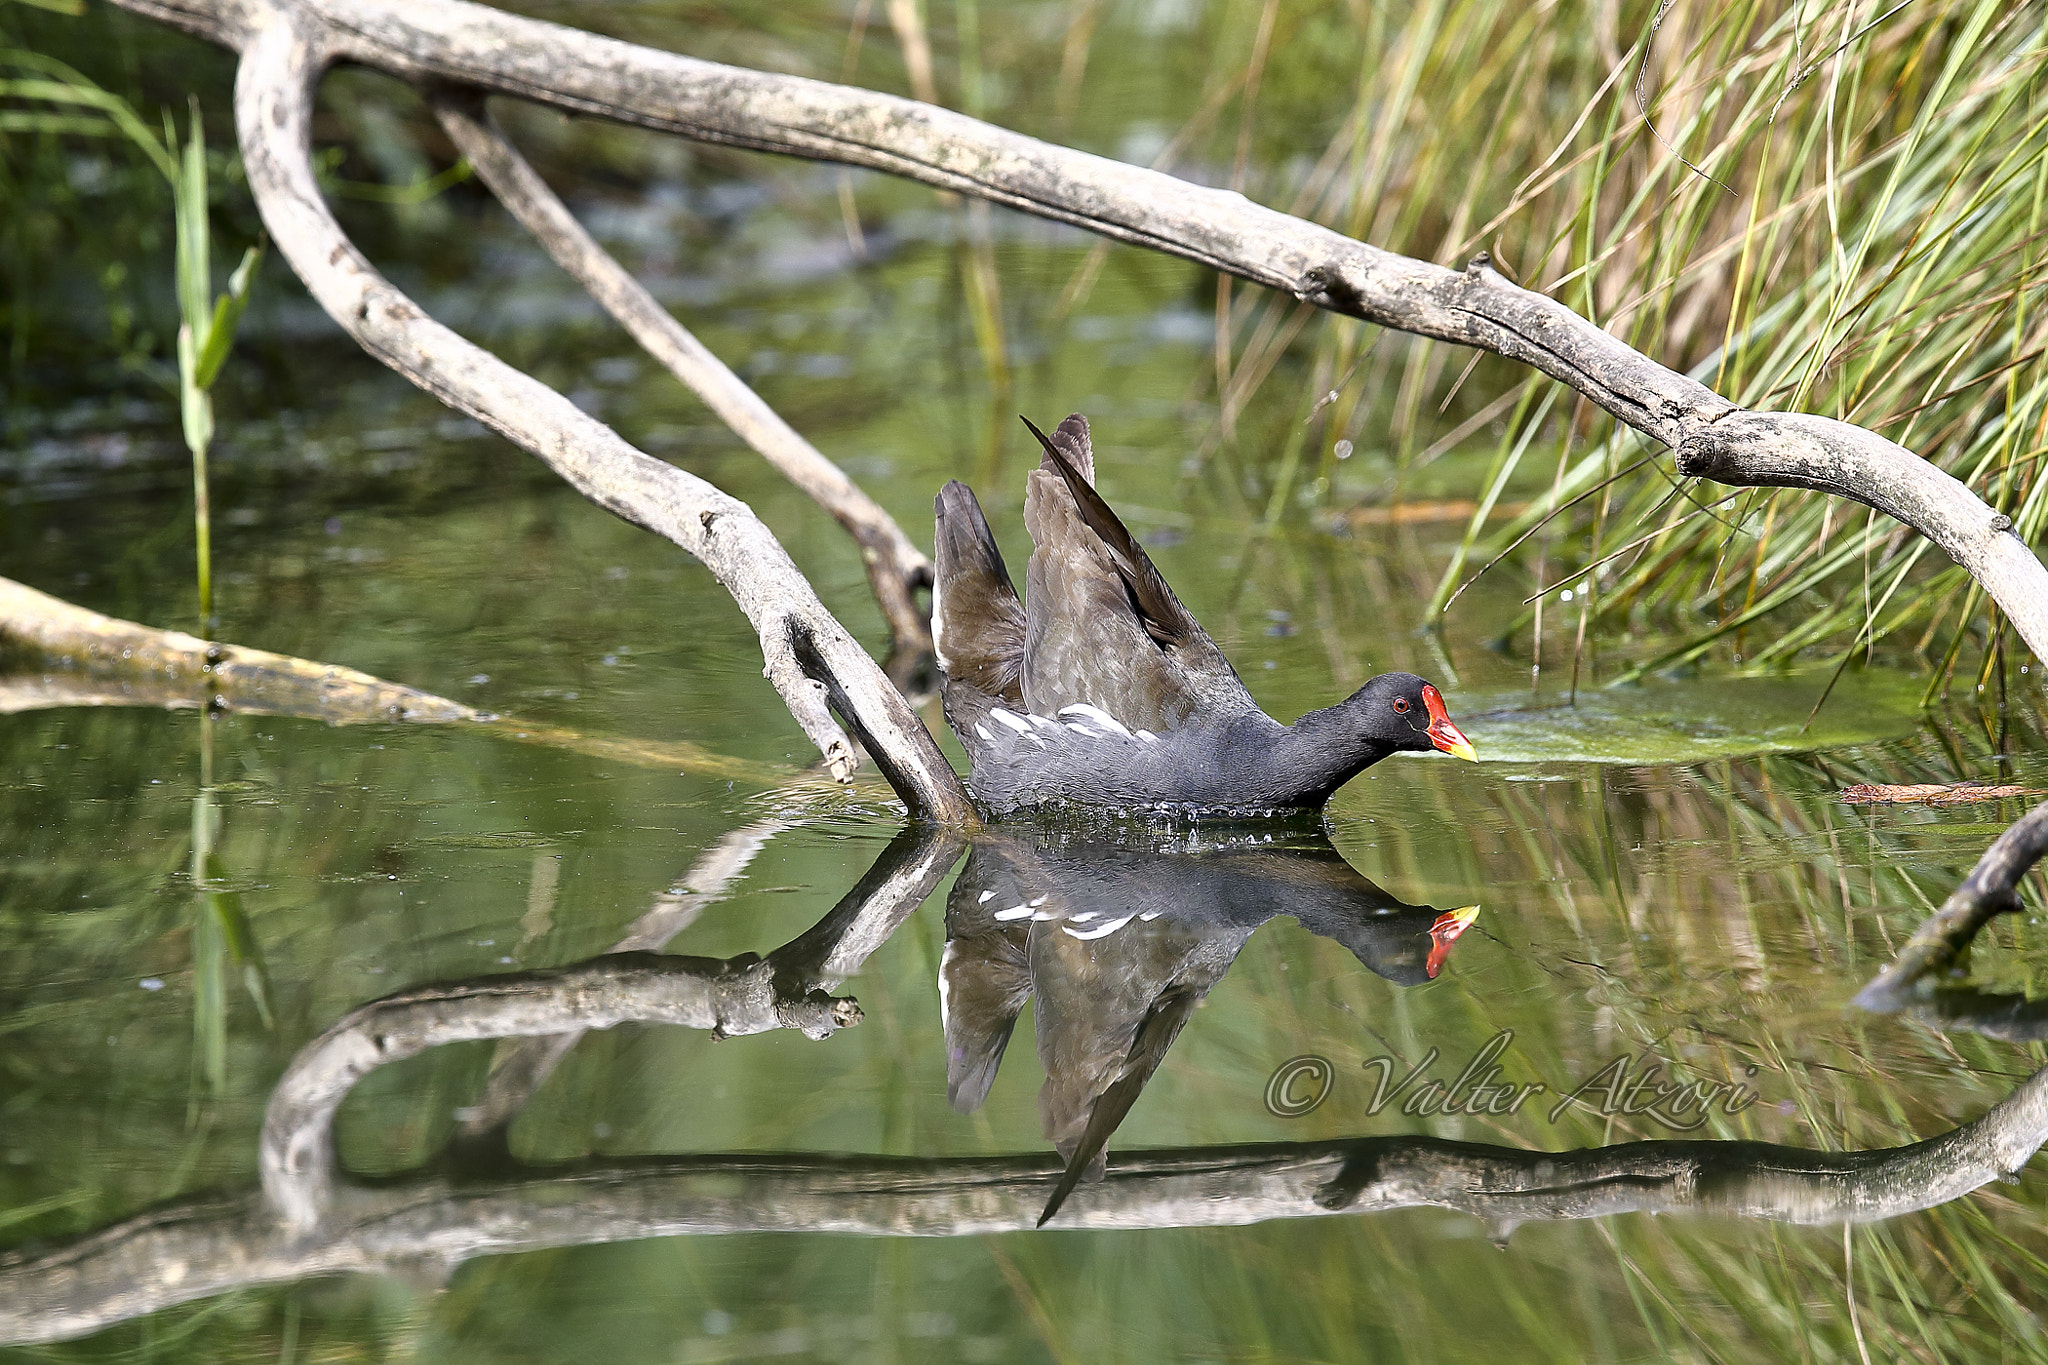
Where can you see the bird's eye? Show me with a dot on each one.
(1400, 703)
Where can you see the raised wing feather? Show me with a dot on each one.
(977, 621)
(1102, 627)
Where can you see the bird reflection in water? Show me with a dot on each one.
(1120, 939)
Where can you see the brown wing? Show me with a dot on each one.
(1070, 438)
(977, 621)
(1102, 627)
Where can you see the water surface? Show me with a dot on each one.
(1664, 874)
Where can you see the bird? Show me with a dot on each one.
(1099, 689)
(1120, 940)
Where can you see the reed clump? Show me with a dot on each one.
(1834, 209)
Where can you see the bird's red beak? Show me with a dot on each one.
(1444, 933)
(1441, 732)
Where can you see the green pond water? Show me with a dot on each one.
(1665, 874)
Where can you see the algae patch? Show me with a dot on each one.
(1690, 721)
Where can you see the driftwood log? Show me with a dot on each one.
(55, 653)
(427, 1226)
(62, 654)
(458, 50)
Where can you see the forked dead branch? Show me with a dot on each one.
(447, 44)
(810, 657)
(895, 567)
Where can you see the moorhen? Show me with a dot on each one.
(1101, 689)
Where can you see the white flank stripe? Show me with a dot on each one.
(1011, 719)
(1014, 912)
(945, 992)
(984, 898)
(1098, 715)
(1104, 931)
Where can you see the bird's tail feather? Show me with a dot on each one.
(977, 619)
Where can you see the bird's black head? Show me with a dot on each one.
(1405, 712)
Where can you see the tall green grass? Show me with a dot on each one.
(47, 98)
(42, 97)
(206, 330)
(1823, 208)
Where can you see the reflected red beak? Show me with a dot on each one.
(1444, 933)
(1441, 732)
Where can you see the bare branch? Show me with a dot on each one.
(895, 567)
(810, 658)
(521, 1066)
(70, 656)
(122, 663)
(900, 880)
(786, 989)
(730, 999)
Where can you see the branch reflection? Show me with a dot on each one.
(306, 1218)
